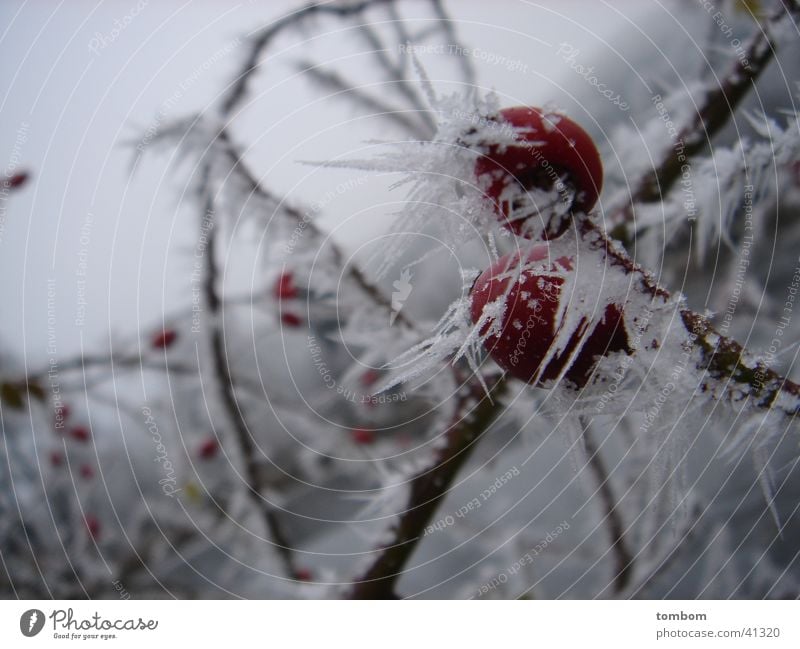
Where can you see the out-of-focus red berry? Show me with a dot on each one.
(87, 472)
(795, 166)
(62, 413)
(208, 449)
(56, 458)
(164, 339)
(284, 288)
(370, 377)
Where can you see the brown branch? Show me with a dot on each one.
(467, 68)
(355, 273)
(246, 443)
(682, 539)
(722, 358)
(717, 108)
(428, 489)
(251, 454)
(262, 39)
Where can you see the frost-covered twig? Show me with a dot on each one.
(261, 40)
(354, 272)
(718, 106)
(251, 456)
(395, 71)
(237, 166)
(725, 359)
(335, 82)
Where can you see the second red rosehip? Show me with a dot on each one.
(529, 284)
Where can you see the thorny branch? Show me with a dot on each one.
(717, 108)
(429, 486)
(721, 357)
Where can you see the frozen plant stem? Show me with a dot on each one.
(474, 416)
(616, 526)
(247, 446)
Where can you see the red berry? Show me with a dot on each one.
(17, 180)
(370, 377)
(164, 339)
(56, 459)
(528, 326)
(62, 413)
(362, 435)
(290, 319)
(92, 526)
(284, 288)
(303, 574)
(795, 166)
(87, 472)
(551, 146)
(208, 449)
(80, 433)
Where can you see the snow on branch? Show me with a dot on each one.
(716, 109)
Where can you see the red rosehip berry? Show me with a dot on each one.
(795, 168)
(164, 339)
(80, 433)
(208, 449)
(17, 180)
(284, 288)
(92, 526)
(362, 436)
(87, 472)
(528, 324)
(290, 319)
(551, 147)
